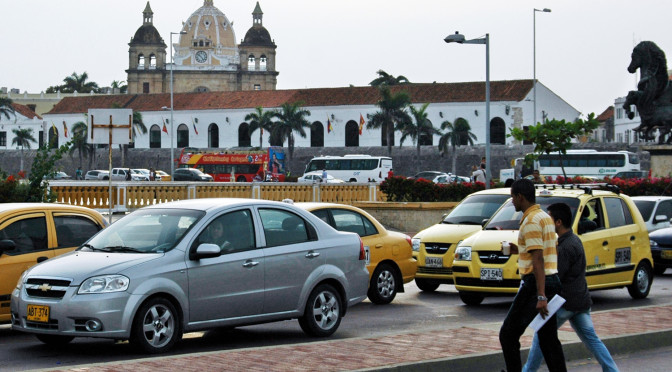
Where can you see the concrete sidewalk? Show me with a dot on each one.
(473, 348)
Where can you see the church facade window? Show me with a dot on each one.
(182, 136)
(213, 136)
(262, 63)
(351, 134)
(141, 61)
(155, 137)
(244, 139)
(152, 61)
(317, 134)
(250, 63)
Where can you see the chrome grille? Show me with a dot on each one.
(46, 287)
(435, 270)
(437, 248)
(493, 257)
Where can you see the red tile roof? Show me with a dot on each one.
(25, 111)
(513, 90)
(606, 115)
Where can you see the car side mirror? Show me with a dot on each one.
(206, 250)
(6, 245)
(485, 220)
(660, 218)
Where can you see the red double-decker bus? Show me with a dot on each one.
(236, 165)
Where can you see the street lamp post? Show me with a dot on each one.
(172, 132)
(534, 59)
(459, 38)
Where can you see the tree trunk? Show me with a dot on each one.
(454, 161)
(390, 128)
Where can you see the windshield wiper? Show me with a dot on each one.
(93, 248)
(121, 248)
(468, 223)
(448, 222)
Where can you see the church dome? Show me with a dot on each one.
(258, 35)
(147, 34)
(207, 27)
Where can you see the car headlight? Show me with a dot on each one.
(653, 243)
(463, 253)
(19, 284)
(415, 242)
(104, 284)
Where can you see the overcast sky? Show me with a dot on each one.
(583, 47)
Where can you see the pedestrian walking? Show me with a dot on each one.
(78, 173)
(572, 274)
(479, 174)
(537, 264)
(324, 175)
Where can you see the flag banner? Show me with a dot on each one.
(53, 126)
(361, 124)
(65, 130)
(329, 127)
(194, 122)
(164, 128)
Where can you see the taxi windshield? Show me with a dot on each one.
(474, 209)
(508, 219)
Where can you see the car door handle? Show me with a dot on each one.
(42, 259)
(379, 246)
(250, 263)
(312, 254)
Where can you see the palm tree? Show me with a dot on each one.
(119, 85)
(6, 107)
(419, 127)
(23, 138)
(291, 118)
(386, 79)
(392, 113)
(79, 141)
(78, 83)
(262, 120)
(457, 134)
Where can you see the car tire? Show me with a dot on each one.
(659, 270)
(157, 326)
(426, 285)
(241, 179)
(323, 314)
(54, 340)
(383, 285)
(106, 178)
(471, 298)
(641, 281)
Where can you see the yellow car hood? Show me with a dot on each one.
(490, 240)
(446, 233)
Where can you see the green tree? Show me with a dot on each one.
(262, 120)
(392, 113)
(455, 135)
(23, 138)
(417, 128)
(386, 79)
(43, 164)
(80, 141)
(6, 107)
(554, 136)
(121, 85)
(291, 118)
(78, 83)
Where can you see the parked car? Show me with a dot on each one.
(33, 232)
(93, 174)
(193, 265)
(618, 252)
(388, 253)
(632, 174)
(57, 176)
(145, 173)
(191, 174)
(103, 175)
(428, 175)
(313, 177)
(434, 246)
(656, 211)
(164, 176)
(661, 249)
(120, 174)
(450, 178)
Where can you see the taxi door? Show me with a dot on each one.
(596, 242)
(625, 234)
(28, 233)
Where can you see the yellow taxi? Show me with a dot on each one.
(388, 253)
(164, 176)
(609, 224)
(434, 246)
(34, 232)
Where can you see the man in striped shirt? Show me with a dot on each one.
(537, 264)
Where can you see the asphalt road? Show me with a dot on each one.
(410, 311)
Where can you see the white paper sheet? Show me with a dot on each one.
(553, 306)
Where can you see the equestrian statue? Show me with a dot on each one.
(653, 97)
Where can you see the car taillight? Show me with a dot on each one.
(408, 239)
(362, 253)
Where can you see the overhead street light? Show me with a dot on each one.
(534, 59)
(459, 38)
(172, 132)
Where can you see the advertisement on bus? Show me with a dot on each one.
(236, 165)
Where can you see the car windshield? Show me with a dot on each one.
(475, 208)
(145, 231)
(645, 207)
(508, 219)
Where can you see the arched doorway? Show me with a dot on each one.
(244, 139)
(426, 139)
(213, 136)
(351, 134)
(317, 134)
(497, 131)
(155, 137)
(53, 137)
(383, 136)
(182, 135)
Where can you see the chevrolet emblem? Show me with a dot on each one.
(44, 287)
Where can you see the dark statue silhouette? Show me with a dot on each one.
(653, 97)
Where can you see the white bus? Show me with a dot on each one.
(353, 168)
(588, 163)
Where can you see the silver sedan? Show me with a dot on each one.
(193, 265)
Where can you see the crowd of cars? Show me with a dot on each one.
(192, 265)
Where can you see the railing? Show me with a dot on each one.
(128, 196)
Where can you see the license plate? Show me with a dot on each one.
(666, 254)
(434, 261)
(491, 274)
(367, 254)
(38, 313)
